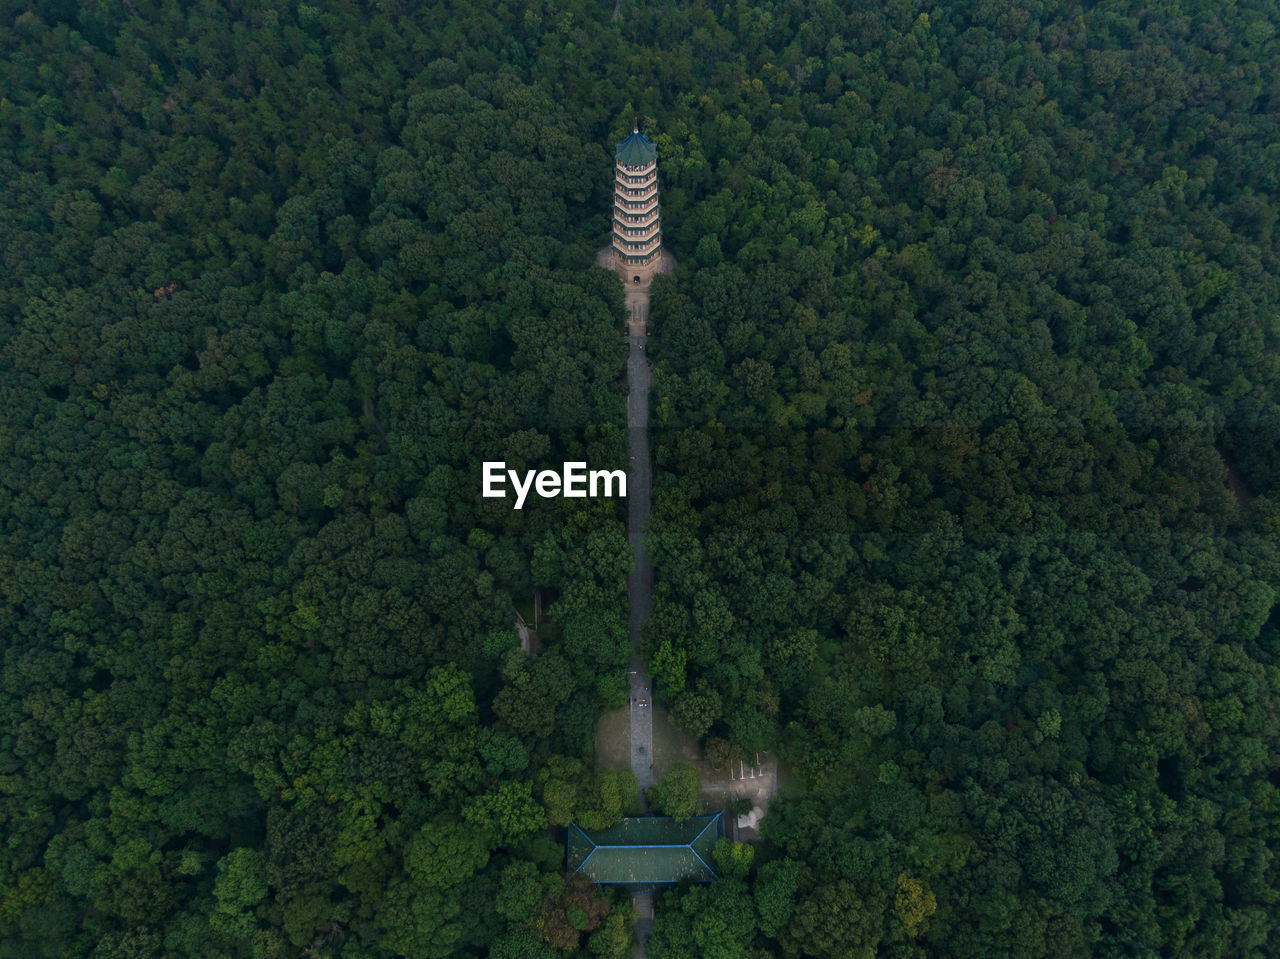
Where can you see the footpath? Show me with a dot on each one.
(640, 580)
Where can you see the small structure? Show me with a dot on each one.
(637, 224)
(645, 851)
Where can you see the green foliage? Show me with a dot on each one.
(521, 945)
(913, 904)
(667, 666)
(613, 939)
(594, 799)
(444, 853)
(520, 891)
(717, 921)
(287, 289)
(733, 859)
(776, 891)
(238, 888)
(722, 755)
(679, 794)
(419, 921)
(507, 812)
(565, 914)
(965, 423)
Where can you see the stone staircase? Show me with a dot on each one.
(643, 902)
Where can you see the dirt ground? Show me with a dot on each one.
(613, 739)
(613, 742)
(751, 779)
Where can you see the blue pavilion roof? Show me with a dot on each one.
(645, 850)
(636, 150)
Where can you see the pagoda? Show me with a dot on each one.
(637, 225)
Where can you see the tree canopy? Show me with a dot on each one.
(966, 501)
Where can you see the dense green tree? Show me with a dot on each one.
(965, 435)
(577, 907)
(679, 794)
(715, 921)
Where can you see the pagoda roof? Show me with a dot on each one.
(645, 850)
(636, 150)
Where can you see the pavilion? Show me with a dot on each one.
(646, 850)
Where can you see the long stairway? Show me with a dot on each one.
(643, 902)
(640, 580)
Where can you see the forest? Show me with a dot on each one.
(966, 432)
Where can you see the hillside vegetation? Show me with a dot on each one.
(967, 473)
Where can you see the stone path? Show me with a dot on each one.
(643, 902)
(640, 579)
(638, 320)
